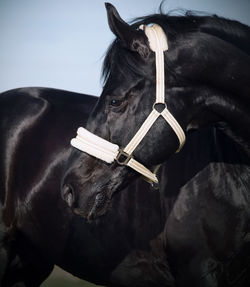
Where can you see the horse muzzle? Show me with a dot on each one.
(86, 205)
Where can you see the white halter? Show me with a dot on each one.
(107, 151)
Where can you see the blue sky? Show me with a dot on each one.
(61, 43)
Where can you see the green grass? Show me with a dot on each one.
(60, 278)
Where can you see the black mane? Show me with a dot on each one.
(228, 30)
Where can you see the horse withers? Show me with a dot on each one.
(36, 125)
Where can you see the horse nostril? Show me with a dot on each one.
(68, 194)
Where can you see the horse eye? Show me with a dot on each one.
(116, 103)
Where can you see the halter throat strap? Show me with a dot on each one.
(107, 151)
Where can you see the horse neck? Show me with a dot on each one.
(230, 112)
(235, 119)
(224, 70)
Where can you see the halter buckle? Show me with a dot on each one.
(123, 158)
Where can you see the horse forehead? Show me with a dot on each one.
(118, 87)
(126, 71)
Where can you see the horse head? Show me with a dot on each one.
(168, 81)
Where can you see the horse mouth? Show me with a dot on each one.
(98, 207)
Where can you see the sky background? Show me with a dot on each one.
(61, 43)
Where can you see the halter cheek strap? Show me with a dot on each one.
(107, 151)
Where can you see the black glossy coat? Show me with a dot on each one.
(143, 231)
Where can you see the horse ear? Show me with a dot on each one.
(131, 38)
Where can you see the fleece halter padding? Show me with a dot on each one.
(109, 152)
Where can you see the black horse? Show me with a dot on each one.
(206, 68)
(124, 248)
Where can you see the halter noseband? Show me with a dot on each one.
(107, 151)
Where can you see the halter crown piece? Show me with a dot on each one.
(109, 152)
